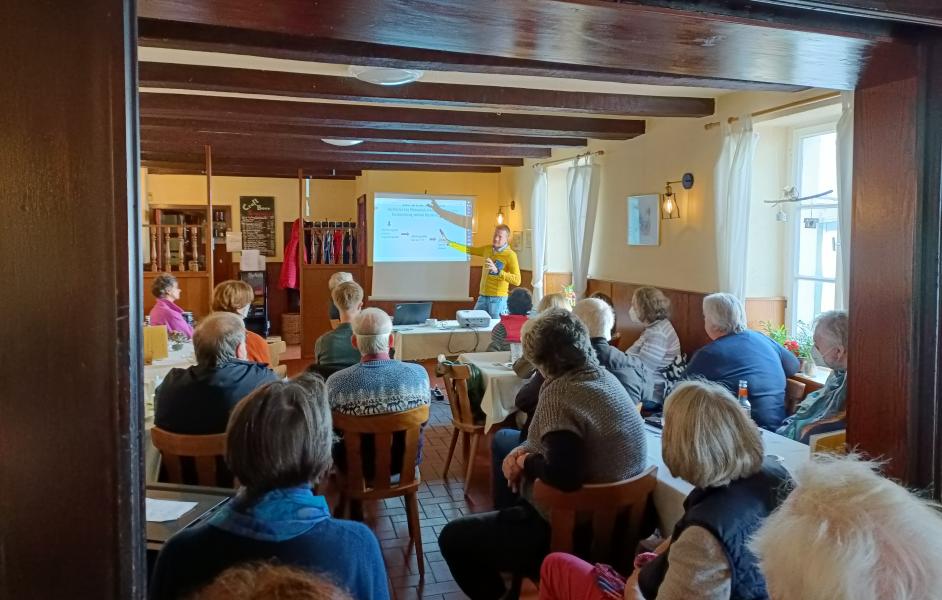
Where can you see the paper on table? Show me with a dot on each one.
(160, 511)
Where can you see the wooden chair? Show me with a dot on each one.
(355, 486)
(275, 350)
(794, 394)
(834, 442)
(205, 450)
(462, 418)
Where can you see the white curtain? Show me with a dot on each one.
(538, 225)
(582, 183)
(845, 197)
(733, 181)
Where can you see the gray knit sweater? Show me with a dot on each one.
(378, 387)
(592, 404)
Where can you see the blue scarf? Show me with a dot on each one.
(277, 516)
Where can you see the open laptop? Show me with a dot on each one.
(413, 313)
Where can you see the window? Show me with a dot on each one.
(815, 224)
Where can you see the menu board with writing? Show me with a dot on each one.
(257, 216)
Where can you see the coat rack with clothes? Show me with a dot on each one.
(332, 242)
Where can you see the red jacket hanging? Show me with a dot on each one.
(290, 269)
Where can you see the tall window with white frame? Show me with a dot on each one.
(814, 272)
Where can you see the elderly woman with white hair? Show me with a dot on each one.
(709, 442)
(737, 354)
(824, 410)
(846, 533)
(335, 280)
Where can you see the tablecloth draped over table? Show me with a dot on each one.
(423, 342)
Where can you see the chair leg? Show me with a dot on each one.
(466, 445)
(451, 452)
(474, 450)
(415, 532)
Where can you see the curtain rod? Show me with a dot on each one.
(775, 109)
(562, 160)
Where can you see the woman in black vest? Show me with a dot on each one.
(710, 442)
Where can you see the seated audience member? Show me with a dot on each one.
(278, 445)
(523, 368)
(264, 581)
(586, 430)
(738, 354)
(197, 400)
(824, 410)
(658, 345)
(165, 312)
(377, 385)
(608, 300)
(236, 296)
(846, 533)
(519, 305)
(335, 280)
(710, 443)
(333, 350)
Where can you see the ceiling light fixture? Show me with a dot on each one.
(385, 75)
(335, 142)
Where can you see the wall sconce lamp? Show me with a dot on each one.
(500, 211)
(670, 207)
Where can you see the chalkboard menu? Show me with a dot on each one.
(257, 217)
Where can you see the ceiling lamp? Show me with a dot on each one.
(385, 75)
(335, 142)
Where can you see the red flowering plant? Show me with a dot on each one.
(793, 347)
(800, 347)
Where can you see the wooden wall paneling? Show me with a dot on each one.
(314, 301)
(71, 473)
(628, 329)
(196, 293)
(596, 285)
(765, 309)
(554, 282)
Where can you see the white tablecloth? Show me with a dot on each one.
(500, 384)
(153, 375)
(421, 342)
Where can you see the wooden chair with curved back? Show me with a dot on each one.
(462, 417)
(206, 451)
(794, 394)
(356, 486)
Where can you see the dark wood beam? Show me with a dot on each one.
(255, 150)
(304, 85)
(157, 125)
(183, 161)
(346, 115)
(244, 172)
(796, 51)
(923, 12)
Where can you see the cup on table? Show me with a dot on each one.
(431, 322)
(516, 351)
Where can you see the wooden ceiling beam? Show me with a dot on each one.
(304, 85)
(381, 117)
(158, 125)
(245, 172)
(171, 161)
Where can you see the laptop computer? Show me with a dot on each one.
(413, 313)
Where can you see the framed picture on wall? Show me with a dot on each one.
(516, 241)
(644, 222)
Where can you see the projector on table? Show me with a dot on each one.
(473, 318)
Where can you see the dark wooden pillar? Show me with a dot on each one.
(70, 309)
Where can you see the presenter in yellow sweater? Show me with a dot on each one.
(501, 270)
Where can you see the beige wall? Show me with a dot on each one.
(766, 266)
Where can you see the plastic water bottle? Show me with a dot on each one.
(743, 397)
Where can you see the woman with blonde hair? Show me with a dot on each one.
(235, 296)
(556, 300)
(709, 442)
(658, 345)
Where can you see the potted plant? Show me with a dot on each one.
(802, 345)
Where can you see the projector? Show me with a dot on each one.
(473, 318)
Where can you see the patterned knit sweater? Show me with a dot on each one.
(592, 404)
(378, 387)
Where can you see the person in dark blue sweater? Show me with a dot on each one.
(738, 354)
(278, 444)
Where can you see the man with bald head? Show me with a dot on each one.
(197, 400)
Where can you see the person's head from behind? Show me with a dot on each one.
(597, 316)
(265, 581)
(165, 287)
(338, 278)
(348, 298)
(830, 338)
(219, 338)
(501, 236)
(233, 296)
(649, 304)
(556, 300)
(280, 435)
(708, 440)
(519, 301)
(372, 332)
(723, 314)
(846, 533)
(556, 342)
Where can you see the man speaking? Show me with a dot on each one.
(501, 270)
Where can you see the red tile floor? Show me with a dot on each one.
(441, 499)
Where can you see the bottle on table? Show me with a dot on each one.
(743, 397)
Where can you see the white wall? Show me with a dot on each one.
(766, 263)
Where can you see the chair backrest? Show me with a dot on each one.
(794, 394)
(382, 428)
(456, 387)
(275, 350)
(204, 450)
(603, 506)
(834, 442)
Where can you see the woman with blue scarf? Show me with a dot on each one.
(278, 445)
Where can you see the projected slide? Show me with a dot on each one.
(411, 229)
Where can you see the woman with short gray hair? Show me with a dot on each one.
(166, 290)
(738, 354)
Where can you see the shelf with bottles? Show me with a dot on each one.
(222, 222)
(176, 239)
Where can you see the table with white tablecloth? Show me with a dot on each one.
(154, 373)
(422, 342)
(501, 384)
